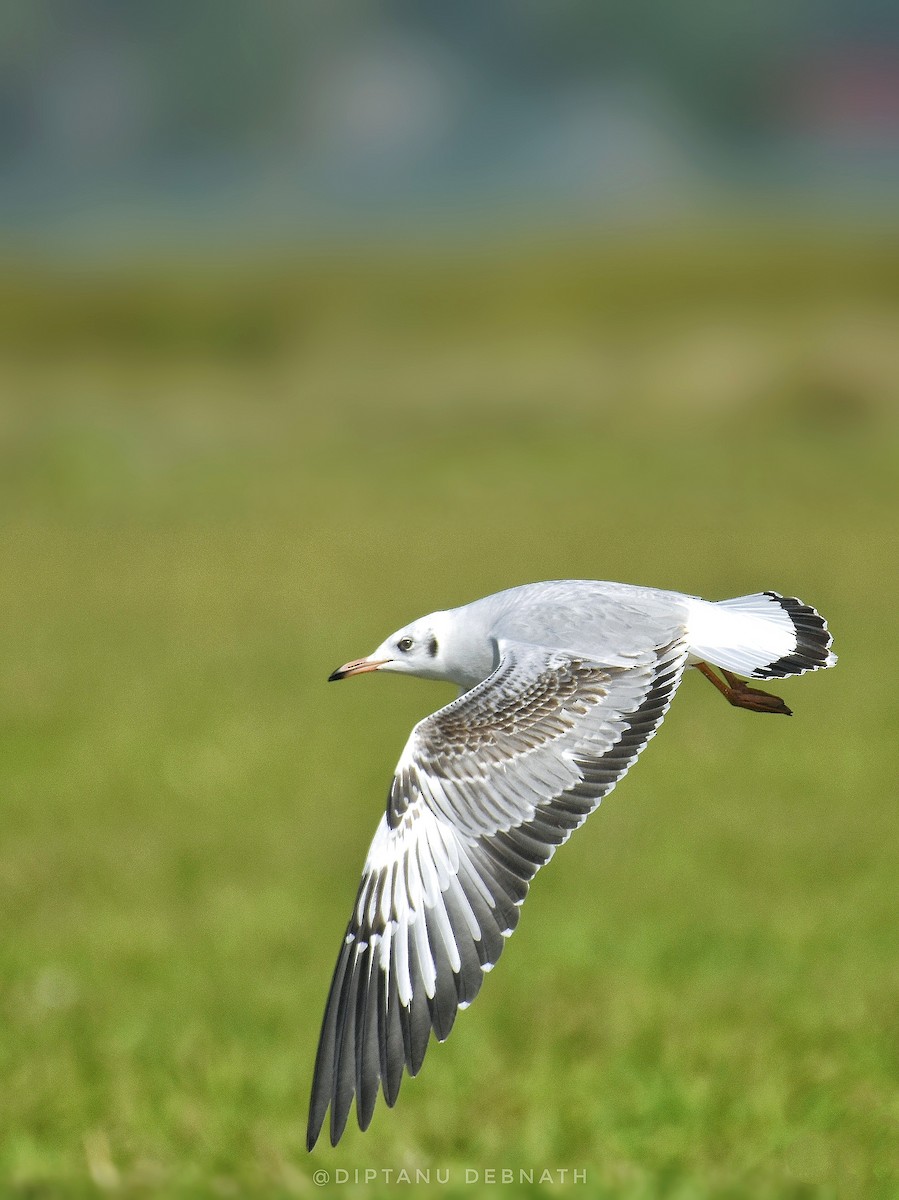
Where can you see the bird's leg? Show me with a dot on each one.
(741, 695)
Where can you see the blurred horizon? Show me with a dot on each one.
(126, 128)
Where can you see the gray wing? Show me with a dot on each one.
(484, 791)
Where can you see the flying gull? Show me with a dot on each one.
(563, 684)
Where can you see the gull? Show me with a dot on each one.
(562, 685)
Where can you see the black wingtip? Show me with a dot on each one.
(318, 1110)
(314, 1128)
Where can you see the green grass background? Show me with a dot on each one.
(217, 485)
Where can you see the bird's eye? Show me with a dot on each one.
(404, 644)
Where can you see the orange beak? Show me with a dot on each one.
(357, 667)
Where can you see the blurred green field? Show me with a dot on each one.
(212, 501)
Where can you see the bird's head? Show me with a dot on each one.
(413, 650)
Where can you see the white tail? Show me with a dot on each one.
(765, 636)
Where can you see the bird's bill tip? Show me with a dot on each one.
(357, 667)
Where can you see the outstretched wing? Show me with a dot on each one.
(485, 790)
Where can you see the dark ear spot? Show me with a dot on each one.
(432, 647)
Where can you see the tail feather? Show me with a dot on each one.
(764, 636)
(813, 641)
